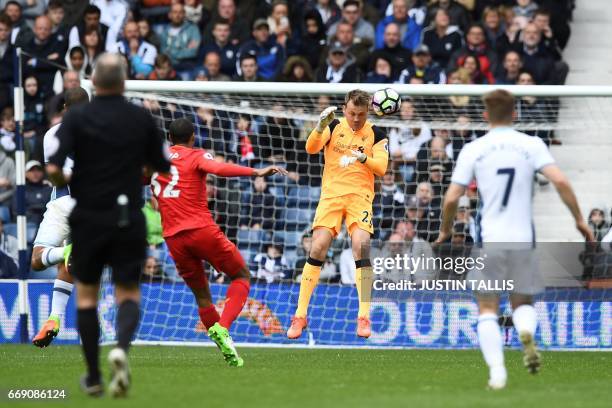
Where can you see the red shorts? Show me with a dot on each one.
(190, 247)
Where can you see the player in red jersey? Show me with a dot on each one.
(192, 235)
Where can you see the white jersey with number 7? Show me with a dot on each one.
(503, 162)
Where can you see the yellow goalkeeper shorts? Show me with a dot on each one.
(356, 211)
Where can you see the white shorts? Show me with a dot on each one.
(54, 228)
(503, 265)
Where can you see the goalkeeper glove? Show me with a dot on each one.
(325, 118)
(346, 161)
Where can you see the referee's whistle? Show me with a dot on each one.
(124, 216)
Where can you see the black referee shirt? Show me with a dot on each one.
(111, 140)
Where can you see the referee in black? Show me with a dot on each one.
(111, 141)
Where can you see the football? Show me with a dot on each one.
(386, 101)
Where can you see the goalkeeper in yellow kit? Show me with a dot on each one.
(355, 151)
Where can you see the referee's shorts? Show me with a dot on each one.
(98, 241)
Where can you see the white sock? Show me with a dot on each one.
(61, 293)
(491, 342)
(525, 319)
(51, 256)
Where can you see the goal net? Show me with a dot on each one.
(269, 219)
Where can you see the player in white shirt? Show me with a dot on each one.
(53, 233)
(504, 163)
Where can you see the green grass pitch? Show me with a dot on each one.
(175, 377)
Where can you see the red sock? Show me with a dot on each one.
(208, 315)
(235, 299)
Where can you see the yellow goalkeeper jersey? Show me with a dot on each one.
(337, 140)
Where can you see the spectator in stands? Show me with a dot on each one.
(113, 14)
(410, 23)
(314, 38)
(389, 202)
(510, 39)
(35, 120)
(269, 52)
(461, 105)
(297, 69)
(328, 10)
(328, 269)
(271, 265)
(29, 9)
(472, 65)
(7, 175)
(423, 68)
(150, 210)
(55, 12)
(405, 142)
(302, 253)
(275, 142)
(144, 28)
(195, 12)
(280, 25)
(493, 24)
(259, 211)
(441, 38)
(457, 13)
(45, 52)
(464, 216)
(249, 69)
(392, 50)
(476, 45)
(75, 61)
(352, 14)
(538, 60)
(512, 67)
(163, 70)
(532, 109)
(339, 67)
(7, 54)
(180, 41)
(140, 53)
(382, 73)
(525, 9)
(244, 141)
(212, 67)
(417, 223)
(597, 222)
(359, 50)
(9, 254)
(70, 80)
(91, 21)
(21, 33)
(220, 42)
(438, 149)
(94, 47)
(431, 203)
(37, 192)
(7, 130)
(239, 29)
(152, 271)
(541, 19)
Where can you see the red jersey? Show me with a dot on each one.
(181, 194)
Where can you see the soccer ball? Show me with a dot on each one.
(386, 102)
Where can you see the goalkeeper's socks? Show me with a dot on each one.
(363, 281)
(89, 329)
(525, 319)
(310, 278)
(128, 316)
(61, 293)
(235, 298)
(208, 316)
(490, 340)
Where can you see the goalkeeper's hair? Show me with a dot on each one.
(358, 97)
(75, 96)
(181, 131)
(499, 105)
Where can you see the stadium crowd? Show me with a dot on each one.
(372, 41)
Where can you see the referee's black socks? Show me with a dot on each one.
(127, 323)
(89, 329)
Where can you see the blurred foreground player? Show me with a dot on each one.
(193, 236)
(112, 141)
(51, 245)
(504, 162)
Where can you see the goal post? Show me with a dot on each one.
(256, 124)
